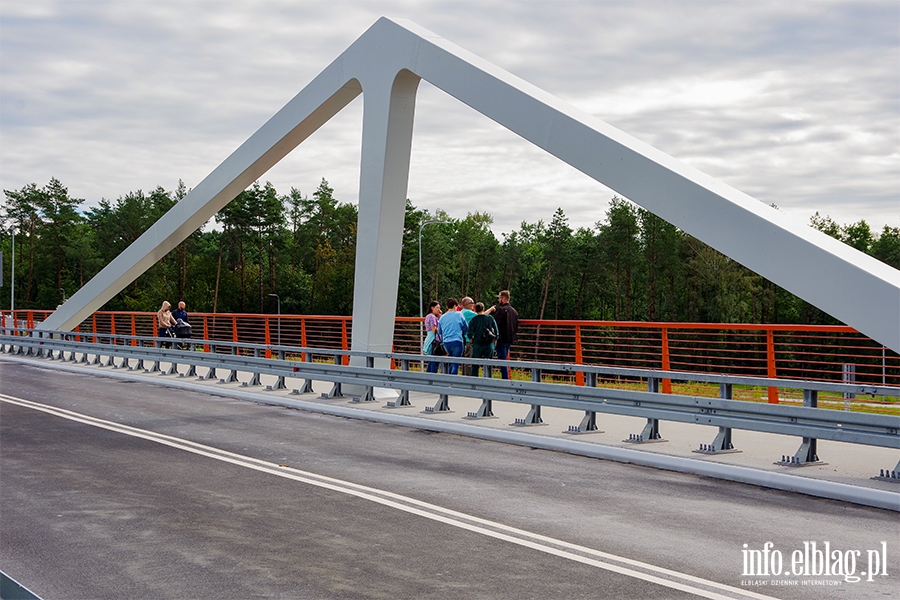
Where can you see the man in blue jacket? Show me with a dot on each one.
(452, 329)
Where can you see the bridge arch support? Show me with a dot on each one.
(385, 65)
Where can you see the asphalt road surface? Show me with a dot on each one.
(114, 489)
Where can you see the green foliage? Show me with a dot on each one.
(632, 265)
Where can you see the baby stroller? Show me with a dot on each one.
(182, 330)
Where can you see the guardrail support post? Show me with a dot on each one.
(403, 399)
(254, 379)
(173, 369)
(588, 424)
(534, 413)
(486, 410)
(232, 374)
(231, 377)
(650, 433)
(336, 388)
(722, 443)
(807, 453)
(443, 403)
(589, 421)
(369, 396)
(211, 374)
(307, 387)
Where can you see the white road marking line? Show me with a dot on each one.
(417, 507)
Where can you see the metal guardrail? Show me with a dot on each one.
(810, 352)
(369, 370)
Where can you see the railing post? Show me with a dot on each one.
(133, 330)
(666, 365)
(772, 371)
(579, 355)
(268, 338)
(94, 326)
(303, 334)
(205, 333)
(344, 344)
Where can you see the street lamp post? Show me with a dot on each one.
(421, 302)
(279, 316)
(63, 290)
(12, 279)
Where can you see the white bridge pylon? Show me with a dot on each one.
(385, 65)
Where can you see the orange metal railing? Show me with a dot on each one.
(814, 352)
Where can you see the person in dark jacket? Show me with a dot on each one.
(508, 326)
(180, 313)
(483, 333)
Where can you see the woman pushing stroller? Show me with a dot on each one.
(165, 320)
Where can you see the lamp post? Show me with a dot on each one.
(12, 279)
(421, 310)
(63, 291)
(279, 316)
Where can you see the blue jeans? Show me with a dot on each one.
(503, 354)
(454, 349)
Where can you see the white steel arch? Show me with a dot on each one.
(386, 64)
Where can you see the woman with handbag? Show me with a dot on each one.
(483, 332)
(431, 337)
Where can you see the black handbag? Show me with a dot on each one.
(437, 348)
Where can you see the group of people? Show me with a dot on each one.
(168, 320)
(468, 329)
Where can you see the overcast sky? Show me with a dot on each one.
(794, 103)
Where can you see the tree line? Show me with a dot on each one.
(631, 265)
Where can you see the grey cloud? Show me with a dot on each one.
(115, 96)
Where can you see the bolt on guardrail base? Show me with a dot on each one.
(649, 435)
(306, 388)
(588, 424)
(254, 381)
(485, 411)
(721, 445)
(231, 378)
(278, 385)
(369, 396)
(402, 401)
(532, 419)
(442, 406)
(888, 475)
(804, 457)
(335, 392)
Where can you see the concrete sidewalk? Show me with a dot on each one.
(842, 463)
